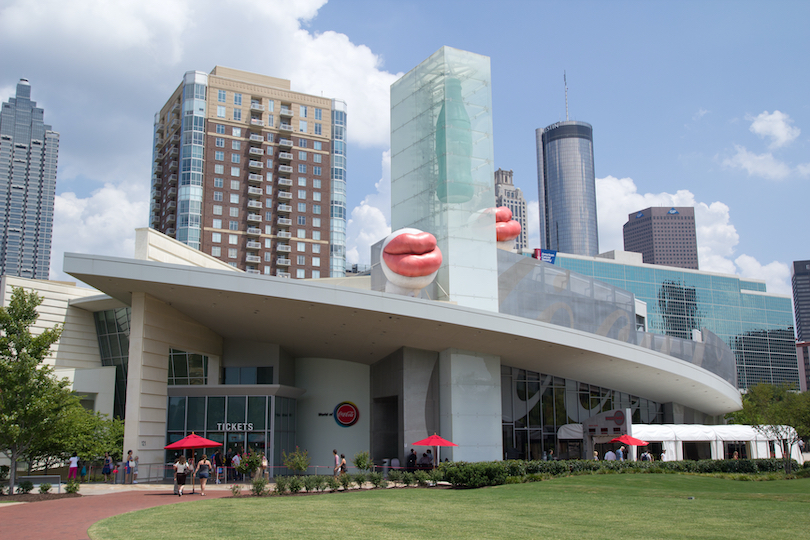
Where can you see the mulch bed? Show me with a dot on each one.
(36, 497)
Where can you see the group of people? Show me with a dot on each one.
(621, 454)
(340, 463)
(108, 469)
(414, 462)
(183, 467)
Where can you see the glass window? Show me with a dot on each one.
(233, 239)
(302, 143)
(302, 207)
(316, 170)
(220, 111)
(236, 409)
(301, 233)
(302, 194)
(302, 126)
(318, 114)
(234, 211)
(301, 260)
(231, 253)
(316, 183)
(219, 169)
(217, 224)
(301, 273)
(220, 129)
(268, 216)
(316, 261)
(316, 248)
(221, 96)
(302, 155)
(318, 129)
(317, 158)
(302, 220)
(316, 274)
(234, 198)
(302, 168)
(236, 158)
(217, 195)
(302, 181)
(216, 251)
(237, 114)
(237, 132)
(268, 190)
(235, 171)
(237, 99)
(217, 210)
(220, 142)
(316, 196)
(216, 237)
(234, 184)
(316, 222)
(271, 137)
(301, 246)
(316, 208)
(219, 156)
(302, 111)
(316, 145)
(316, 235)
(236, 145)
(233, 225)
(218, 182)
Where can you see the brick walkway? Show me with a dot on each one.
(70, 518)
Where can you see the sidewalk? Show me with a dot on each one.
(70, 518)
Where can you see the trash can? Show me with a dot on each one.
(386, 463)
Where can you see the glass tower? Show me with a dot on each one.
(28, 153)
(337, 256)
(442, 169)
(567, 188)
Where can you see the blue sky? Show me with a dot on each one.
(692, 103)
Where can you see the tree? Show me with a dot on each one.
(778, 412)
(32, 400)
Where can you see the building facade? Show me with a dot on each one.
(252, 173)
(800, 279)
(756, 325)
(567, 188)
(664, 236)
(506, 194)
(29, 150)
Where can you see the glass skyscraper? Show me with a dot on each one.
(28, 153)
(567, 188)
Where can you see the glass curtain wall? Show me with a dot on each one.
(189, 195)
(112, 329)
(337, 229)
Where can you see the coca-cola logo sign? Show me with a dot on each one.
(346, 414)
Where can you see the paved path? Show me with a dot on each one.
(70, 518)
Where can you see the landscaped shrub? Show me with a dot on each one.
(332, 483)
(297, 461)
(259, 486)
(421, 478)
(363, 461)
(474, 475)
(320, 482)
(377, 480)
(236, 490)
(395, 475)
(345, 481)
(296, 484)
(72, 486)
(359, 479)
(311, 483)
(436, 476)
(25, 487)
(408, 479)
(282, 484)
(44, 487)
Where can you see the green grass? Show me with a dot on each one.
(637, 506)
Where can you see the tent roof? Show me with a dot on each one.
(677, 432)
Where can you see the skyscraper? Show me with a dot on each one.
(252, 173)
(663, 235)
(800, 279)
(567, 188)
(28, 153)
(506, 194)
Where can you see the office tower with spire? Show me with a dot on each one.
(506, 194)
(29, 149)
(567, 187)
(252, 173)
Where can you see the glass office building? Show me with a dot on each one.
(29, 149)
(756, 325)
(337, 212)
(567, 188)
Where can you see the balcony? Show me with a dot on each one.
(157, 181)
(285, 168)
(175, 138)
(159, 128)
(285, 143)
(158, 157)
(256, 106)
(253, 259)
(175, 109)
(284, 195)
(285, 182)
(254, 204)
(158, 142)
(174, 123)
(172, 192)
(252, 271)
(256, 122)
(158, 169)
(156, 194)
(172, 179)
(286, 156)
(256, 151)
(154, 207)
(282, 262)
(173, 152)
(171, 205)
(286, 222)
(254, 191)
(170, 218)
(155, 219)
(252, 244)
(254, 137)
(285, 127)
(254, 231)
(286, 208)
(253, 177)
(173, 166)
(285, 111)
(284, 248)
(255, 164)
(279, 273)
(256, 218)
(284, 234)
(170, 232)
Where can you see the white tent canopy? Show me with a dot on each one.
(671, 436)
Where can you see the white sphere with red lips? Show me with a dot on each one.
(410, 260)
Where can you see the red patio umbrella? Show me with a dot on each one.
(190, 442)
(434, 440)
(631, 441)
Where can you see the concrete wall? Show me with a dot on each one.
(151, 245)
(329, 382)
(156, 328)
(96, 384)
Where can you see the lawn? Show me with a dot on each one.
(627, 506)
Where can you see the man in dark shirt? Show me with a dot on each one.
(410, 464)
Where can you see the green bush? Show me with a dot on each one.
(421, 478)
(345, 481)
(296, 484)
(320, 482)
(72, 486)
(282, 484)
(474, 475)
(297, 461)
(44, 487)
(377, 480)
(408, 479)
(363, 461)
(514, 480)
(395, 475)
(259, 486)
(359, 479)
(436, 476)
(249, 463)
(332, 483)
(25, 487)
(310, 483)
(236, 490)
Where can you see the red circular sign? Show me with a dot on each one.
(346, 414)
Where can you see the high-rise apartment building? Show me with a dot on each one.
(506, 194)
(567, 188)
(663, 235)
(29, 149)
(252, 173)
(800, 279)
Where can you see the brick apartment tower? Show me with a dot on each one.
(664, 236)
(506, 194)
(252, 173)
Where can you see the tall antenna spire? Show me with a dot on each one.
(566, 96)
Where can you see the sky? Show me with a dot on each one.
(693, 103)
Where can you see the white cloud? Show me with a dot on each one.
(717, 237)
(104, 222)
(762, 165)
(370, 222)
(775, 126)
(700, 114)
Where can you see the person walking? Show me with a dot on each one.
(343, 468)
(73, 471)
(595, 455)
(181, 469)
(337, 462)
(218, 463)
(203, 471)
(128, 468)
(410, 463)
(106, 470)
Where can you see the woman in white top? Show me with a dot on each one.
(73, 472)
(181, 469)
